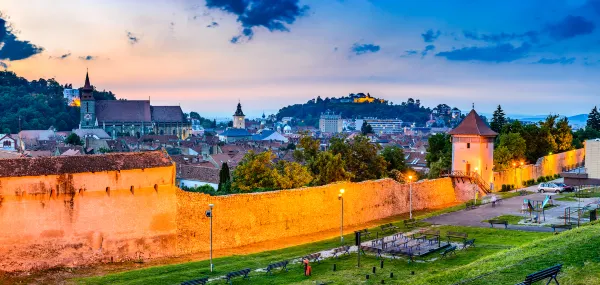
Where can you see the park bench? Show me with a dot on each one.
(498, 222)
(341, 251)
(233, 274)
(432, 236)
(566, 227)
(551, 273)
(418, 236)
(448, 251)
(456, 235)
(200, 281)
(396, 252)
(315, 257)
(470, 205)
(410, 223)
(469, 243)
(375, 242)
(281, 264)
(388, 228)
(365, 232)
(365, 249)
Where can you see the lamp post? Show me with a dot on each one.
(410, 196)
(341, 198)
(210, 215)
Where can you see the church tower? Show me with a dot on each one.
(473, 148)
(88, 106)
(239, 121)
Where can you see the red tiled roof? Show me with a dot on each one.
(123, 111)
(200, 173)
(472, 124)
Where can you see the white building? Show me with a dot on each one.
(385, 126)
(330, 123)
(72, 96)
(592, 158)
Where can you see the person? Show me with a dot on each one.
(307, 268)
(493, 201)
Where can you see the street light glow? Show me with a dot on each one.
(341, 191)
(410, 177)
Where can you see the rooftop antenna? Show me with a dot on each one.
(473, 106)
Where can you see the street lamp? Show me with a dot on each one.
(410, 196)
(341, 198)
(210, 215)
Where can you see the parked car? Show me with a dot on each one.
(567, 188)
(550, 187)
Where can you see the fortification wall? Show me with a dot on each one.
(250, 218)
(547, 165)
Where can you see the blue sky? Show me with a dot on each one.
(532, 57)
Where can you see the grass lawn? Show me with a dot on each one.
(567, 199)
(511, 219)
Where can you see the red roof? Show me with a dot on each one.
(123, 111)
(472, 124)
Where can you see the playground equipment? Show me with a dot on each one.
(536, 207)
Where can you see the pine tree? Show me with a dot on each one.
(593, 121)
(224, 178)
(366, 129)
(498, 120)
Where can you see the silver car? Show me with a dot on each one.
(550, 187)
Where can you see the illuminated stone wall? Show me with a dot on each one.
(256, 217)
(547, 165)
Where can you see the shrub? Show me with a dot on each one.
(503, 188)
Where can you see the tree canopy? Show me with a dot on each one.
(593, 121)
(498, 120)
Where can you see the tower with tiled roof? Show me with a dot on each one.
(473, 147)
(239, 119)
(88, 106)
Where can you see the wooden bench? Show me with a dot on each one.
(456, 235)
(365, 232)
(410, 223)
(469, 243)
(315, 257)
(201, 281)
(365, 249)
(566, 227)
(551, 273)
(233, 274)
(281, 264)
(498, 222)
(375, 242)
(388, 228)
(341, 251)
(470, 205)
(448, 251)
(396, 252)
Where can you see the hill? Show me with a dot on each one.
(37, 104)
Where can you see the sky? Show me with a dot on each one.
(532, 57)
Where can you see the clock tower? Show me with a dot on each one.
(88, 106)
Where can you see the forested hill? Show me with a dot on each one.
(409, 111)
(39, 104)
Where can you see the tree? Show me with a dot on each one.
(195, 115)
(581, 135)
(440, 147)
(394, 157)
(502, 158)
(563, 135)
(224, 178)
(511, 148)
(362, 160)
(74, 139)
(307, 148)
(330, 168)
(593, 121)
(291, 175)
(498, 120)
(366, 129)
(255, 171)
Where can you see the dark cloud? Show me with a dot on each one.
(62, 56)
(562, 60)
(411, 52)
(430, 36)
(426, 50)
(497, 53)
(335, 49)
(213, 25)
(3, 65)
(12, 48)
(88, 57)
(273, 15)
(359, 49)
(531, 36)
(570, 27)
(133, 39)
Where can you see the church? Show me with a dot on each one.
(131, 117)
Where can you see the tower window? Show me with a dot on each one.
(468, 145)
(87, 107)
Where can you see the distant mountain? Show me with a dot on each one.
(577, 119)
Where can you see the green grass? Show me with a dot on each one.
(511, 219)
(567, 199)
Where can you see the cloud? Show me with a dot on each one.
(570, 27)
(409, 53)
(12, 48)
(359, 49)
(426, 50)
(531, 36)
(3, 65)
(430, 36)
(133, 39)
(274, 15)
(61, 57)
(497, 53)
(88, 57)
(213, 25)
(562, 60)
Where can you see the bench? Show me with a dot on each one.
(233, 274)
(341, 251)
(314, 257)
(566, 227)
(551, 273)
(201, 281)
(281, 264)
(470, 205)
(498, 222)
(375, 242)
(396, 252)
(365, 249)
(388, 228)
(448, 251)
(456, 235)
(410, 223)
(469, 243)
(364, 232)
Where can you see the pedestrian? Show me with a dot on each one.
(307, 268)
(493, 201)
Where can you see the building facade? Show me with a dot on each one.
(330, 122)
(238, 132)
(473, 147)
(592, 158)
(239, 119)
(72, 96)
(385, 126)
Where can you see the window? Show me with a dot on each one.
(6, 144)
(468, 145)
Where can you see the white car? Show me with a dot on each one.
(550, 187)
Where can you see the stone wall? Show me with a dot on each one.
(547, 165)
(250, 218)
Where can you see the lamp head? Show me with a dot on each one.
(211, 205)
(410, 177)
(342, 191)
(522, 163)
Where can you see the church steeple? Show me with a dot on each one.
(88, 106)
(87, 89)
(239, 112)
(239, 119)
